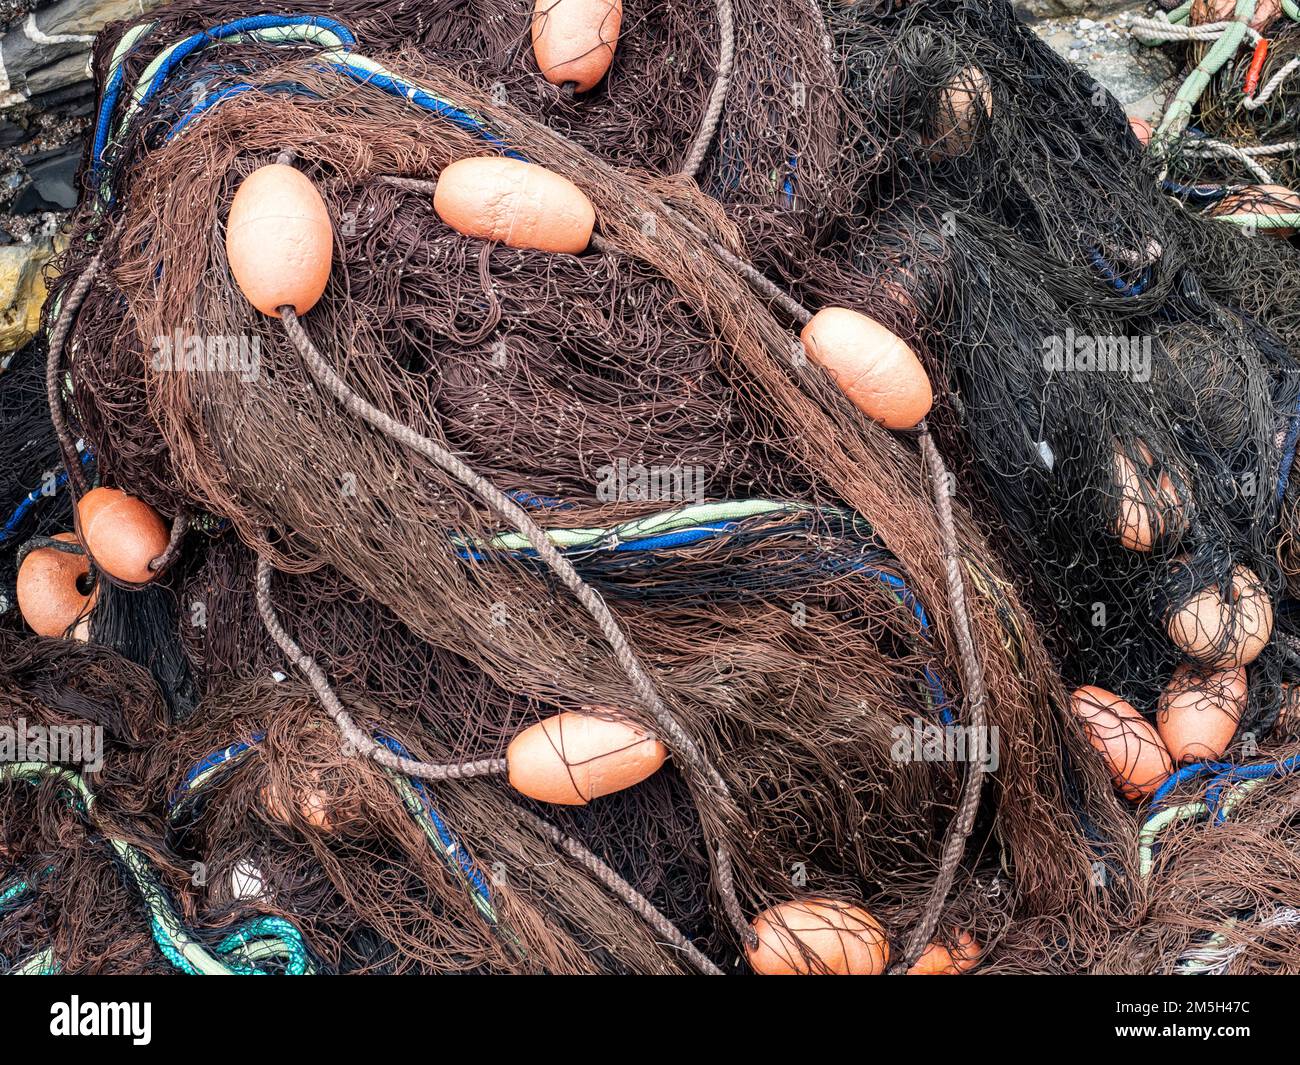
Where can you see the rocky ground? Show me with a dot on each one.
(46, 98)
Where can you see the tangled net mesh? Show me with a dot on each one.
(930, 164)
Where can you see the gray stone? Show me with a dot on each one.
(49, 48)
(1138, 77)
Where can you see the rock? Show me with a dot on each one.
(1040, 9)
(49, 49)
(53, 181)
(1135, 76)
(22, 291)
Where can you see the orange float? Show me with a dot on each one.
(818, 936)
(1224, 632)
(574, 40)
(879, 373)
(1134, 751)
(278, 240)
(1262, 200)
(1198, 712)
(122, 533)
(49, 597)
(938, 960)
(963, 104)
(519, 204)
(570, 759)
(1150, 507)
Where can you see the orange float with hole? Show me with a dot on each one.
(1198, 712)
(879, 373)
(1137, 757)
(278, 240)
(1224, 630)
(49, 596)
(518, 204)
(570, 759)
(574, 40)
(938, 960)
(818, 937)
(122, 533)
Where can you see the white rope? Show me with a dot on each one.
(1159, 30)
(1245, 156)
(1216, 956)
(1261, 97)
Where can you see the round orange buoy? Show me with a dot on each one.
(570, 759)
(818, 936)
(878, 372)
(49, 598)
(1223, 10)
(1150, 507)
(963, 104)
(1264, 200)
(1199, 712)
(313, 806)
(1225, 632)
(938, 960)
(1141, 129)
(519, 204)
(1135, 753)
(122, 533)
(278, 240)
(574, 40)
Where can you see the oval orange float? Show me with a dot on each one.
(570, 759)
(1225, 632)
(48, 597)
(1198, 712)
(122, 533)
(1262, 200)
(963, 104)
(818, 936)
(1150, 507)
(938, 960)
(278, 240)
(1135, 753)
(878, 372)
(519, 204)
(574, 40)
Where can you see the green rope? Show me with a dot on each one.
(245, 952)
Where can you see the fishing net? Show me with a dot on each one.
(790, 602)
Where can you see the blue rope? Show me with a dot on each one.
(1113, 276)
(1288, 453)
(188, 47)
(34, 497)
(431, 103)
(446, 837)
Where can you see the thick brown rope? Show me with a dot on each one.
(353, 737)
(71, 303)
(180, 526)
(954, 844)
(718, 96)
(619, 887)
(682, 745)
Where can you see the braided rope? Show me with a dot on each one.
(621, 888)
(355, 738)
(53, 360)
(954, 844)
(718, 96)
(682, 745)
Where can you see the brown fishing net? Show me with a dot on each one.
(790, 617)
